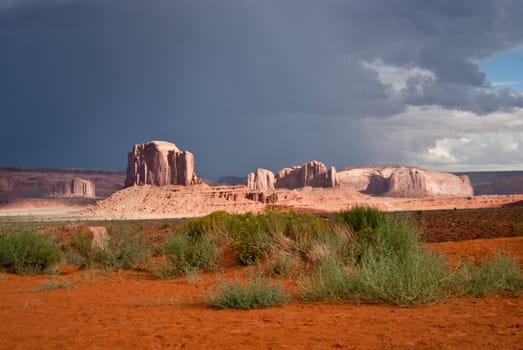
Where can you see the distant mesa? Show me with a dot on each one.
(52, 183)
(78, 187)
(403, 181)
(160, 163)
(496, 182)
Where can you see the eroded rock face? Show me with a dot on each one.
(160, 163)
(82, 188)
(399, 181)
(262, 180)
(262, 197)
(312, 174)
(77, 187)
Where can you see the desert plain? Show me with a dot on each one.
(97, 308)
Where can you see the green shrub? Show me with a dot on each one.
(258, 292)
(361, 218)
(196, 245)
(331, 281)
(419, 277)
(389, 266)
(255, 236)
(188, 253)
(252, 238)
(502, 274)
(27, 252)
(126, 248)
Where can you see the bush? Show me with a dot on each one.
(258, 292)
(255, 236)
(27, 252)
(502, 274)
(126, 248)
(187, 254)
(196, 245)
(389, 266)
(361, 218)
(252, 237)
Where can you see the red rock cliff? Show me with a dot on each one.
(160, 163)
(313, 173)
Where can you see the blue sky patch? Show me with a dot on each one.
(505, 70)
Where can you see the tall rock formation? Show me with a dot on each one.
(401, 181)
(160, 163)
(312, 174)
(262, 180)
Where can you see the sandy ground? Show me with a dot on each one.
(131, 310)
(152, 202)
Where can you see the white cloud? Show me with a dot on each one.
(397, 77)
(451, 140)
(505, 83)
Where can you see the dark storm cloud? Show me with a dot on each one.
(240, 83)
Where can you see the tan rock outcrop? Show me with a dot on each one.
(77, 187)
(262, 197)
(312, 174)
(160, 163)
(400, 181)
(100, 237)
(262, 180)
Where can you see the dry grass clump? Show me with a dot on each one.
(257, 292)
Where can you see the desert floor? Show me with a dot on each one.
(130, 309)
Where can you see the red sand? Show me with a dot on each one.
(130, 310)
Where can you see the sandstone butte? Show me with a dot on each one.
(313, 174)
(160, 163)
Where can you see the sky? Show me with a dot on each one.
(244, 84)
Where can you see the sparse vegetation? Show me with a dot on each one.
(498, 275)
(361, 255)
(27, 252)
(126, 248)
(390, 266)
(257, 292)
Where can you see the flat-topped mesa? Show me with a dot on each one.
(160, 163)
(402, 181)
(313, 173)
